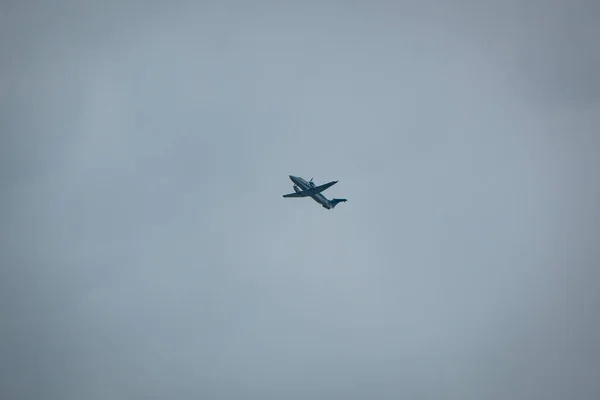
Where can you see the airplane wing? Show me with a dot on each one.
(311, 191)
(319, 189)
(301, 194)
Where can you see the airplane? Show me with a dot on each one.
(309, 189)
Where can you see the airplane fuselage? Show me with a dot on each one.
(318, 197)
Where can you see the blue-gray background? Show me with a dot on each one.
(146, 251)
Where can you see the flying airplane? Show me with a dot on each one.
(309, 189)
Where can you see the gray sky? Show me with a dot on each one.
(147, 252)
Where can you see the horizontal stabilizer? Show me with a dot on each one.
(334, 202)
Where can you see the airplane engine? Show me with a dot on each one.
(297, 189)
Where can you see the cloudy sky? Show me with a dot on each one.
(146, 251)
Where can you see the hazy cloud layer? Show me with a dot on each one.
(146, 251)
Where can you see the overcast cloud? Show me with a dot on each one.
(146, 251)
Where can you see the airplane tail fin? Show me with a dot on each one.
(334, 202)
